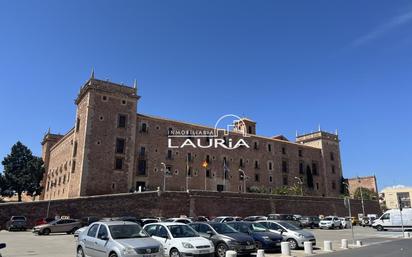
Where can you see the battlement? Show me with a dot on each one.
(317, 136)
(107, 87)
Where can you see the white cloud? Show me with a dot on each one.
(394, 187)
(383, 29)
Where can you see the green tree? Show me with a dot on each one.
(23, 172)
(366, 193)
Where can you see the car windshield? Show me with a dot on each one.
(328, 218)
(288, 226)
(19, 218)
(222, 228)
(257, 227)
(179, 231)
(127, 231)
(217, 219)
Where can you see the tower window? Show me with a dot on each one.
(118, 165)
(285, 165)
(142, 151)
(73, 166)
(332, 156)
(300, 153)
(269, 148)
(333, 185)
(270, 165)
(104, 98)
(77, 124)
(255, 145)
(256, 164)
(122, 120)
(169, 154)
(301, 167)
(75, 149)
(314, 168)
(270, 179)
(283, 150)
(143, 128)
(141, 167)
(257, 177)
(120, 144)
(241, 163)
(208, 173)
(250, 130)
(333, 169)
(285, 181)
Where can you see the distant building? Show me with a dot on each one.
(114, 149)
(368, 182)
(390, 197)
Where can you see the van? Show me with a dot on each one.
(392, 219)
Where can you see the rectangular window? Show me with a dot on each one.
(169, 154)
(317, 186)
(285, 165)
(256, 164)
(283, 150)
(270, 179)
(332, 156)
(241, 164)
(143, 128)
(189, 157)
(120, 144)
(142, 151)
(270, 166)
(208, 173)
(207, 158)
(141, 169)
(301, 167)
(118, 164)
(333, 185)
(333, 169)
(255, 145)
(73, 166)
(75, 149)
(314, 168)
(122, 120)
(77, 125)
(285, 181)
(257, 177)
(300, 153)
(269, 148)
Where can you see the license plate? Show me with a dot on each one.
(203, 251)
(277, 244)
(250, 247)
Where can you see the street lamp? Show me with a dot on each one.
(164, 176)
(301, 185)
(361, 195)
(244, 180)
(350, 211)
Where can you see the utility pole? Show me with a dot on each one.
(347, 204)
(361, 195)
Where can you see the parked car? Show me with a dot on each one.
(181, 220)
(86, 221)
(264, 239)
(148, 221)
(290, 233)
(43, 221)
(117, 239)
(330, 222)
(368, 221)
(392, 219)
(16, 223)
(309, 221)
(285, 217)
(124, 218)
(255, 218)
(346, 222)
(201, 219)
(222, 219)
(224, 238)
(179, 239)
(2, 245)
(68, 226)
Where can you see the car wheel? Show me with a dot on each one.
(221, 250)
(258, 245)
(113, 255)
(340, 227)
(174, 253)
(46, 231)
(332, 227)
(293, 244)
(379, 228)
(73, 230)
(80, 252)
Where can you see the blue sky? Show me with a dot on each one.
(289, 65)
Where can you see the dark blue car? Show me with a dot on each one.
(264, 239)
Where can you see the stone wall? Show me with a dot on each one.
(170, 204)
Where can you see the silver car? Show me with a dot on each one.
(117, 239)
(290, 233)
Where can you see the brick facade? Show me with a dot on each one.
(368, 182)
(101, 156)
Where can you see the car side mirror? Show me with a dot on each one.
(210, 233)
(280, 231)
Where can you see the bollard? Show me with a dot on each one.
(344, 244)
(231, 253)
(308, 247)
(359, 243)
(406, 234)
(327, 246)
(285, 248)
(260, 253)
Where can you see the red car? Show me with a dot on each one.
(43, 221)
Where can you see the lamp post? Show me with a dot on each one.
(164, 176)
(301, 185)
(361, 195)
(347, 200)
(244, 180)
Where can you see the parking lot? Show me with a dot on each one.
(26, 244)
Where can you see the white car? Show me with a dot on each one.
(117, 239)
(346, 222)
(330, 222)
(181, 220)
(222, 219)
(180, 240)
